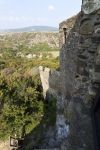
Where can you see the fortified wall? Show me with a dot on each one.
(80, 74)
(50, 82)
(64, 30)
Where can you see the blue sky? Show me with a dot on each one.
(22, 13)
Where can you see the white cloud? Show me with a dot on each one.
(51, 8)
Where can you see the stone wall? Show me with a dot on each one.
(80, 74)
(64, 30)
(50, 82)
(78, 82)
(89, 6)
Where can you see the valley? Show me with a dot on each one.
(21, 95)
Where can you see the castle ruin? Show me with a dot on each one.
(80, 78)
(77, 85)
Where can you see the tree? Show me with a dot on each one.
(22, 104)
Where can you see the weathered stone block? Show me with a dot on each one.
(98, 49)
(96, 37)
(96, 77)
(92, 91)
(83, 57)
(97, 31)
(90, 6)
(86, 27)
(81, 63)
(82, 71)
(98, 12)
(97, 68)
(98, 60)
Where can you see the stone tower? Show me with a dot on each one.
(80, 76)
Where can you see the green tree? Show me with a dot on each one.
(22, 104)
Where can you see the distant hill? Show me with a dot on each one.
(28, 39)
(32, 29)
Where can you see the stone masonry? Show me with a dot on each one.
(50, 82)
(80, 76)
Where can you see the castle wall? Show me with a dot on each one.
(78, 82)
(66, 27)
(50, 82)
(80, 74)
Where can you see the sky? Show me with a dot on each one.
(23, 13)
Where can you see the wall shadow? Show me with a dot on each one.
(96, 120)
(42, 134)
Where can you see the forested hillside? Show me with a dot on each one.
(21, 97)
